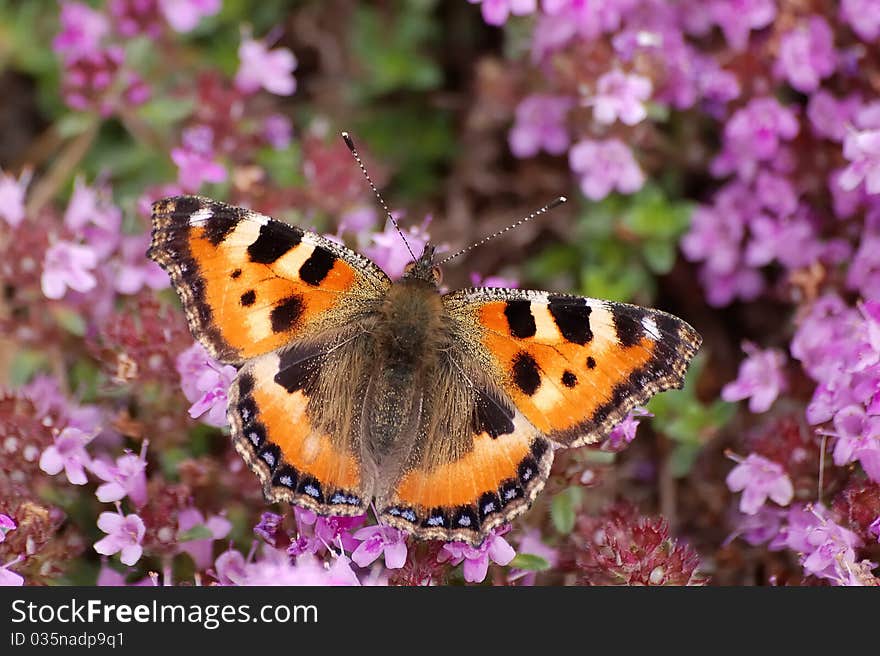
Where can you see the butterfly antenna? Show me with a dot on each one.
(348, 142)
(549, 206)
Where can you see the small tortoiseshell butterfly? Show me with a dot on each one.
(442, 409)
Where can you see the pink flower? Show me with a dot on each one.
(806, 54)
(336, 531)
(874, 528)
(195, 159)
(761, 378)
(277, 131)
(67, 265)
(8, 578)
(863, 17)
(200, 550)
(737, 18)
(12, 194)
(68, 452)
(540, 124)
(205, 383)
(532, 544)
(377, 540)
(184, 15)
(604, 166)
(124, 534)
(7, 524)
(82, 29)
(390, 253)
(496, 12)
(759, 478)
(230, 568)
(827, 548)
(622, 96)
(625, 432)
(476, 559)
(260, 67)
(858, 438)
(862, 149)
(125, 478)
(133, 271)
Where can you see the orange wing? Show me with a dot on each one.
(276, 411)
(250, 284)
(573, 366)
(463, 499)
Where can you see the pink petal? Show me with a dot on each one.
(110, 522)
(395, 555)
(51, 461)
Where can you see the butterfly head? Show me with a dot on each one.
(424, 268)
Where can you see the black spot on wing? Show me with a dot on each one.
(310, 486)
(465, 517)
(572, 316)
(298, 369)
(591, 362)
(569, 379)
(248, 298)
(526, 375)
(286, 314)
(222, 221)
(187, 205)
(488, 504)
(317, 266)
(492, 416)
(274, 240)
(235, 274)
(519, 318)
(628, 326)
(245, 385)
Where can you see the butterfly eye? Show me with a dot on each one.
(438, 274)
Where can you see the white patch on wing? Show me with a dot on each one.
(201, 216)
(650, 327)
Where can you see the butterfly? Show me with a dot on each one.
(441, 410)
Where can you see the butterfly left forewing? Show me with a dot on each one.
(573, 366)
(250, 284)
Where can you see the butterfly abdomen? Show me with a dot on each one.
(408, 336)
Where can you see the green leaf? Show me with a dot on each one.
(197, 532)
(529, 562)
(25, 364)
(563, 509)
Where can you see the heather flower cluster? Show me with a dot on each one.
(721, 160)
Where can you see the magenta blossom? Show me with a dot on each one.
(863, 17)
(761, 378)
(737, 18)
(8, 578)
(336, 531)
(133, 271)
(12, 194)
(195, 159)
(858, 438)
(125, 478)
(806, 54)
(621, 96)
(496, 12)
(7, 524)
(540, 125)
(277, 131)
(260, 67)
(205, 383)
(828, 549)
(200, 550)
(390, 253)
(82, 29)
(476, 559)
(874, 528)
(759, 478)
(185, 15)
(604, 166)
(68, 452)
(862, 149)
(68, 266)
(625, 432)
(377, 540)
(124, 534)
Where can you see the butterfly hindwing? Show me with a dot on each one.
(573, 366)
(294, 421)
(250, 284)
